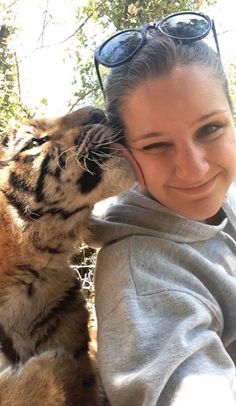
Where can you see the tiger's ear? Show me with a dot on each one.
(4, 141)
(97, 116)
(7, 139)
(12, 132)
(4, 144)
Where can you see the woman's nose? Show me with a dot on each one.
(191, 163)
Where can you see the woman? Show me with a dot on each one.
(165, 281)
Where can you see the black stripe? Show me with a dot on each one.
(21, 209)
(49, 333)
(5, 140)
(13, 201)
(61, 165)
(25, 159)
(57, 173)
(37, 245)
(7, 347)
(18, 183)
(40, 183)
(25, 147)
(89, 380)
(88, 182)
(62, 306)
(36, 214)
(30, 288)
(53, 202)
(29, 269)
(3, 164)
(50, 250)
(64, 213)
(83, 349)
(18, 140)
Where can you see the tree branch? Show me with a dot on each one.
(67, 38)
(45, 23)
(90, 91)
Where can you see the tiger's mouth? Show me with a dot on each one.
(95, 146)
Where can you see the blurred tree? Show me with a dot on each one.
(103, 18)
(132, 13)
(11, 107)
(231, 74)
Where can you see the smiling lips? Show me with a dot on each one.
(197, 190)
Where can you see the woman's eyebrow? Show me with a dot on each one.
(160, 133)
(209, 115)
(148, 135)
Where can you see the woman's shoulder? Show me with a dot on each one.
(231, 196)
(229, 204)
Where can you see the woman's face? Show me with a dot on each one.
(180, 131)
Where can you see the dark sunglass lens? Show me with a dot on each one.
(186, 26)
(120, 47)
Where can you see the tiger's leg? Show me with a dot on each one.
(50, 379)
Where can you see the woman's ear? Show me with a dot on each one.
(135, 165)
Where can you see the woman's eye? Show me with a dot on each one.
(211, 130)
(155, 148)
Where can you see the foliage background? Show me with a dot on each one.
(60, 39)
(48, 49)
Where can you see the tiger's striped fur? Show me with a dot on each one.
(51, 174)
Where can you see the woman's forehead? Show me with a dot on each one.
(185, 95)
(182, 84)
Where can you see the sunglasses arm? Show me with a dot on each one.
(215, 37)
(98, 74)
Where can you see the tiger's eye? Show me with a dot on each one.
(36, 142)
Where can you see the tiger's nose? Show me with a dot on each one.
(96, 116)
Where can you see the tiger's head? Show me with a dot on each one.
(54, 171)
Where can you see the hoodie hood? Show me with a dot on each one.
(133, 213)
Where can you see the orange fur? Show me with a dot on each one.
(51, 174)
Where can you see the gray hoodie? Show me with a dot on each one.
(166, 305)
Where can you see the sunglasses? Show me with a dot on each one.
(183, 26)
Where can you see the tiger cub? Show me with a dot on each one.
(52, 172)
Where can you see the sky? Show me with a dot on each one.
(45, 69)
(224, 13)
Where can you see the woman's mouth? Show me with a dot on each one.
(201, 189)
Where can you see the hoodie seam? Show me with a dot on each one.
(219, 320)
(130, 267)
